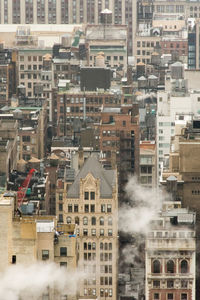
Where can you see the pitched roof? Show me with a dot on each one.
(107, 178)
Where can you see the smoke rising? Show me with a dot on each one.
(143, 206)
(30, 282)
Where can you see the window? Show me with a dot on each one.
(75, 207)
(77, 220)
(60, 219)
(170, 266)
(156, 296)
(170, 284)
(92, 208)
(86, 208)
(93, 232)
(109, 208)
(45, 254)
(93, 221)
(69, 208)
(92, 195)
(156, 266)
(156, 283)
(63, 264)
(184, 296)
(101, 221)
(101, 232)
(60, 206)
(184, 284)
(14, 259)
(85, 232)
(103, 208)
(170, 296)
(63, 251)
(109, 232)
(85, 221)
(110, 246)
(184, 266)
(86, 196)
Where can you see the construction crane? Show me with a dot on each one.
(23, 188)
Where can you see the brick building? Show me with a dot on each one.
(119, 140)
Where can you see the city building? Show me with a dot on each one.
(70, 12)
(29, 239)
(170, 258)
(7, 76)
(119, 140)
(89, 199)
(148, 164)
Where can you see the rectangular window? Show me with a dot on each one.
(45, 254)
(63, 264)
(92, 195)
(63, 251)
(92, 208)
(156, 283)
(103, 208)
(75, 207)
(109, 208)
(156, 296)
(86, 208)
(60, 206)
(14, 259)
(70, 208)
(184, 296)
(86, 196)
(170, 296)
(101, 232)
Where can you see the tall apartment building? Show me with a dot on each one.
(176, 100)
(171, 255)
(7, 76)
(148, 164)
(90, 200)
(69, 12)
(119, 140)
(28, 239)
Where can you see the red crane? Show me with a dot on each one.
(23, 188)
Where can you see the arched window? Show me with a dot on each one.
(77, 220)
(170, 266)
(101, 221)
(101, 246)
(156, 266)
(93, 246)
(93, 221)
(85, 221)
(109, 221)
(184, 266)
(69, 220)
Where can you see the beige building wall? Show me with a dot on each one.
(97, 234)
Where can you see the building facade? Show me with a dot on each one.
(90, 200)
(170, 256)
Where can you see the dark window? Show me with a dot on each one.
(170, 296)
(75, 207)
(92, 195)
(63, 264)
(156, 283)
(170, 266)
(156, 296)
(93, 221)
(63, 251)
(184, 296)
(86, 208)
(69, 208)
(92, 208)
(60, 206)
(45, 254)
(156, 266)
(77, 220)
(86, 196)
(170, 284)
(14, 259)
(184, 266)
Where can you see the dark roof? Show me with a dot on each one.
(107, 178)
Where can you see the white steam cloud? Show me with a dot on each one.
(30, 282)
(143, 206)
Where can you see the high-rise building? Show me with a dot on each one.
(90, 200)
(69, 12)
